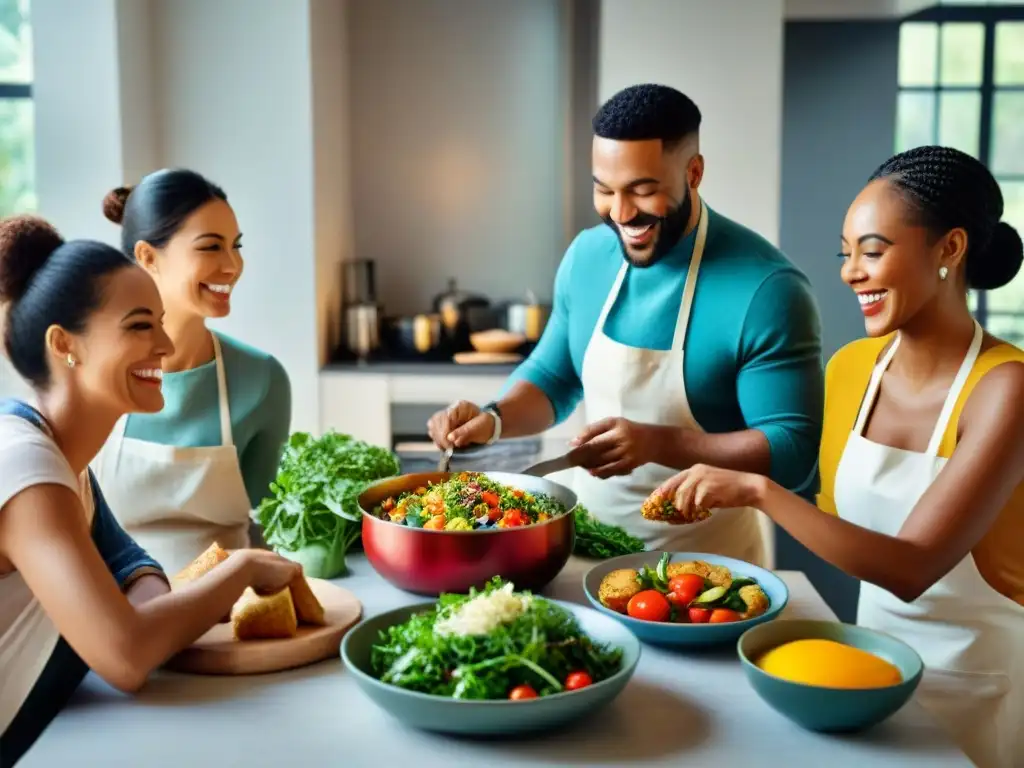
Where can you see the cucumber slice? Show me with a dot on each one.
(740, 582)
(713, 594)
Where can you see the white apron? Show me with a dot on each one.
(28, 643)
(646, 386)
(173, 501)
(970, 637)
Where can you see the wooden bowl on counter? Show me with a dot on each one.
(497, 341)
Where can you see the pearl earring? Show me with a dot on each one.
(943, 271)
(71, 361)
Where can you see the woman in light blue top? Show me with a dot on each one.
(190, 475)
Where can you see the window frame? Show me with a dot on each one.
(989, 16)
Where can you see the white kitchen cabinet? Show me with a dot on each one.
(360, 403)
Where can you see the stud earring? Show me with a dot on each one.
(943, 271)
(71, 361)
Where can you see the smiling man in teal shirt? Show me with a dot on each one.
(689, 339)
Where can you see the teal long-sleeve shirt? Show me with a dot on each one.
(259, 396)
(753, 345)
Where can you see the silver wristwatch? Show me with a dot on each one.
(492, 409)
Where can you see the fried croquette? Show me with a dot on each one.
(755, 599)
(661, 510)
(717, 575)
(617, 588)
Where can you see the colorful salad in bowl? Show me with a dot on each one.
(469, 501)
(495, 643)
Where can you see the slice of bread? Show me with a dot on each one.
(307, 607)
(257, 617)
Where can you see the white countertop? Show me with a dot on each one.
(679, 709)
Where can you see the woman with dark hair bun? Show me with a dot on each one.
(81, 324)
(190, 475)
(922, 455)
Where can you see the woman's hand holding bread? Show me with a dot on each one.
(269, 572)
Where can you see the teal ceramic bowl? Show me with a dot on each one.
(830, 710)
(688, 635)
(487, 718)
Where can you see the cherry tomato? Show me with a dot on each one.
(679, 601)
(521, 692)
(490, 498)
(512, 519)
(494, 514)
(576, 680)
(686, 587)
(649, 605)
(699, 615)
(723, 616)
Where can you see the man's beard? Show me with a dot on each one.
(673, 226)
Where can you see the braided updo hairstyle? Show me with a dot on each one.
(946, 189)
(45, 281)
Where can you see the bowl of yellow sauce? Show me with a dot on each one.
(827, 676)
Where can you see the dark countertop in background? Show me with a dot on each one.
(431, 368)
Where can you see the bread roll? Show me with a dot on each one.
(257, 617)
(307, 607)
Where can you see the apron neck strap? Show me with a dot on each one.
(873, 386)
(223, 404)
(683, 319)
(951, 398)
(690, 287)
(954, 391)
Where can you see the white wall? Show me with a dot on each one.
(727, 56)
(77, 98)
(124, 87)
(236, 102)
(460, 115)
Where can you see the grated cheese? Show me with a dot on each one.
(484, 613)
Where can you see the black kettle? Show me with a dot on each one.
(459, 310)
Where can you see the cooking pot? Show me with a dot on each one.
(428, 562)
(415, 336)
(455, 308)
(527, 317)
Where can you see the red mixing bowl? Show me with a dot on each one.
(428, 562)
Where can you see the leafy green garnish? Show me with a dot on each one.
(657, 577)
(313, 514)
(538, 648)
(601, 541)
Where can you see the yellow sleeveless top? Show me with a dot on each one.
(1000, 553)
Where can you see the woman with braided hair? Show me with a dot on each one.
(922, 455)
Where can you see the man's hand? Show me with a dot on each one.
(459, 425)
(612, 446)
(704, 488)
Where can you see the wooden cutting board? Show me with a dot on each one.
(219, 653)
(486, 358)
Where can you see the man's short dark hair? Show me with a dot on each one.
(644, 112)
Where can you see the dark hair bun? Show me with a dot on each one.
(999, 262)
(114, 202)
(26, 242)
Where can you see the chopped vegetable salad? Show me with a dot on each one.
(494, 643)
(469, 501)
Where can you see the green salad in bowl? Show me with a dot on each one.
(491, 661)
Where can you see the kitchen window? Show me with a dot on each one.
(961, 84)
(17, 145)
